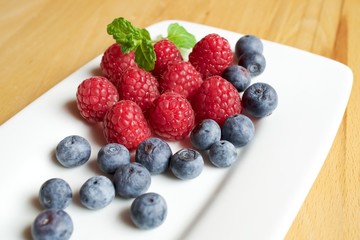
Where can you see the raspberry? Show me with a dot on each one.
(181, 77)
(216, 99)
(114, 62)
(94, 97)
(166, 53)
(139, 86)
(211, 55)
(171, 116)
(125, 124)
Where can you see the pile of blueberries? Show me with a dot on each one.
(132, 179)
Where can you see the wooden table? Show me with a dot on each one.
(43, 41)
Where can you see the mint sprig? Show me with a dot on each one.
(180, 37)
(132, 38)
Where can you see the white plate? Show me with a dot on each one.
(258, 198)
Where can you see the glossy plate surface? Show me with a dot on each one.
(258, 198)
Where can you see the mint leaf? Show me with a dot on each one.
(145, 55)
(139, 40)
(133, 38)
(145, 34)
(180, 37)
(128, 36)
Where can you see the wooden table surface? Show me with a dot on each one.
(43, 41)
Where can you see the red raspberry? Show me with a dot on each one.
(125, 124)
(181, 77)
(94, 97)
(139, 86)
(114, 62)
(166, 53)
(211, 55)
(217, 99)
(171, 116)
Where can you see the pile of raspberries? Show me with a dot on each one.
(133, 104)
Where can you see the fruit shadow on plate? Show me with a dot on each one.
(95, 129)
(242, 157)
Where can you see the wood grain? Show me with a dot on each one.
(44, 41)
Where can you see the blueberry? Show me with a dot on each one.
(238, 129)
(254, 62)
(260, 100)
(205, 134)
(111, 156)
(248, 43)
(148, 211)
(97, 192)
(131, 180)
(55, 193)
(52, 224)
(73, 151)
(154, 154)
(186, 163)
(222, 154)
(238, 76)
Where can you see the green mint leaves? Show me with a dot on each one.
(139, 40)
(132, 38)
(180, 37)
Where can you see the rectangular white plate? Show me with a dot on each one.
(258, 198)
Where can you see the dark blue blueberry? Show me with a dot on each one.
(73, 151)
(55, 193)
(238, 129)
(52, 224)
(154, 154)
(97, 192)
(186, 163)
(222, 154)
(205, 134)
(111, 156)
(131, 180)
(238, 76)
(148, 211)
(260, 100)
(254, 62)
(248, 43)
